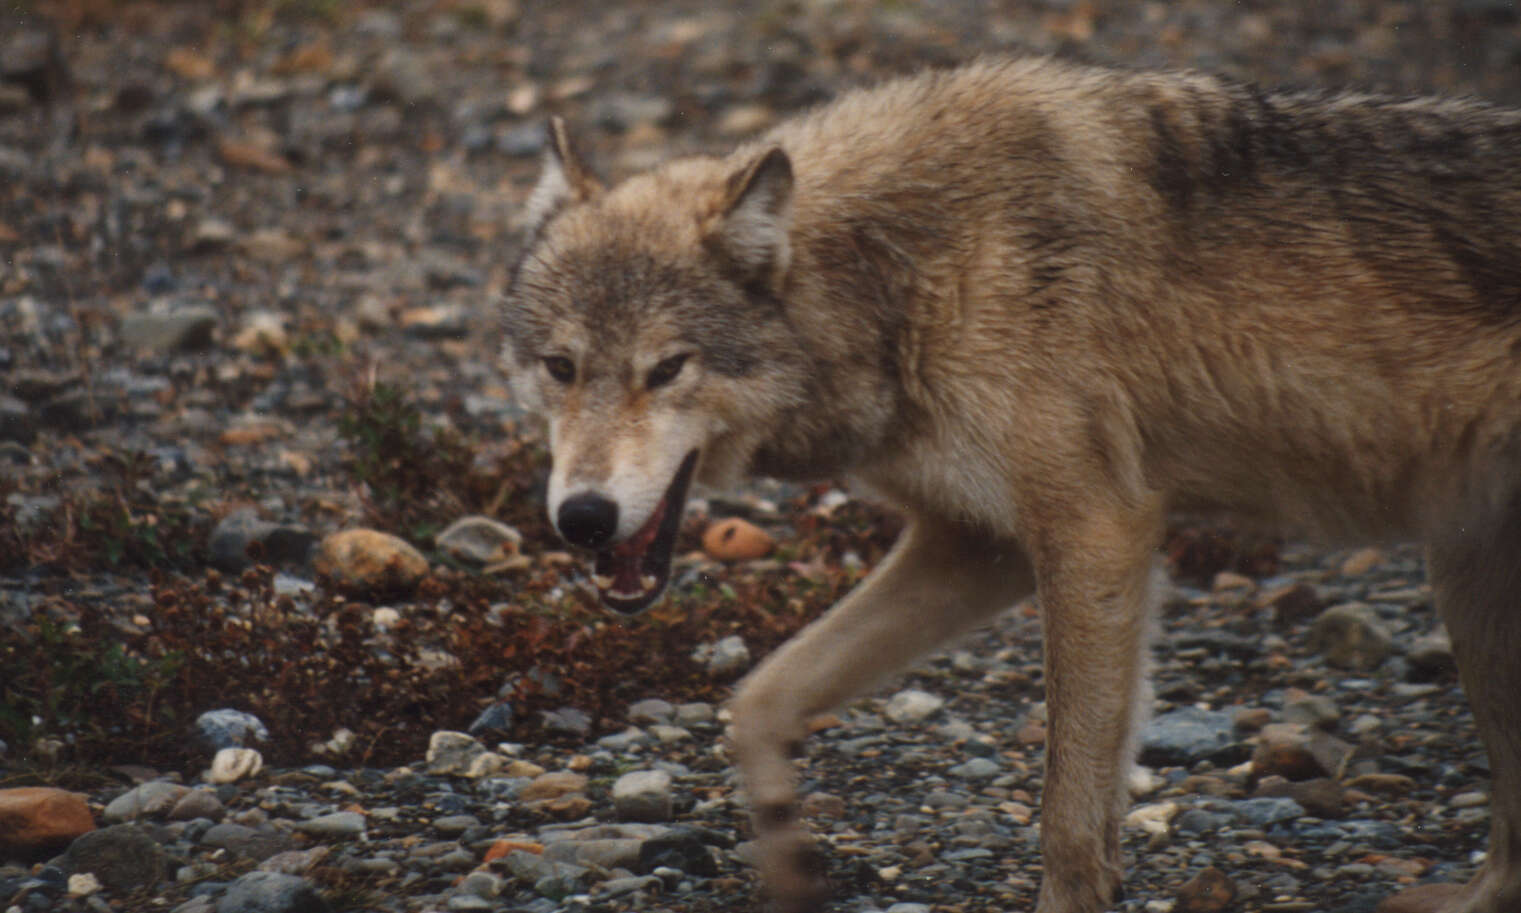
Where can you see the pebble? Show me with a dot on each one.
(643, 795)
(228, 728)
(38, 820)
(479, 540)
(912, 706)
(1351, 636)
(184, 329)
(736, 539)
(725, 658)
(233, 764)
(365, 561)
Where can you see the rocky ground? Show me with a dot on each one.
(248, 253)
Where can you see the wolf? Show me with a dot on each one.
(1035, 306)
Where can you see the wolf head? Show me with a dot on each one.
(647, 323)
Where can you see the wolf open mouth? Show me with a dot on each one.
(632, 574)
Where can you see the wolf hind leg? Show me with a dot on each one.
(1476, 578)
(940, 580)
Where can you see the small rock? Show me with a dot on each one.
(912, 706)
(227, 728)
(153, 799)
(1210, 891)
(1296, 752)
(1350, 636)
(679, 849)
(1186, 736)
(452, 752)
(1292, 604)
(1153, 819)
(263, 334)
(479, 540)
(122, 856)
(1361, 562)
(272, 892)
(367, 561)
(340, 825)
(295, 862)
(233, 764)
(37, 821)
(553, 785)
(573, 720)
(736, 539)
(1431, 654)
(651, 710)
(643, 795)
(496, 718)
(83, 884)
(246, 842)
(184, 330)
(241, 538)
(727, 657)
(976, 769)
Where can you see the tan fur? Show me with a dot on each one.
(1035, 307)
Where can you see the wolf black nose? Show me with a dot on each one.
(587, 519)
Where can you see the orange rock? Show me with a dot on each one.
(254, 158)
(368, 560)
(733, 539)
(504, 847)
(37, 821)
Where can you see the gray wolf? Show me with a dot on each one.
(1035, 307)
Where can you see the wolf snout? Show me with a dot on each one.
(587, 519)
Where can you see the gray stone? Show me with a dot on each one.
(727, 657)
(271, 543)
(197, 803)
(567, 719)
(496, 718)
(1185, 736)
(651, 710)
(182, 330)
(452, 752)
(272, 892)
(614, 887)
(1266, 812)
(643, 795)
(246, 842)
(337, 824)
(976, 769)
(122, 857)
(680, 849)
(606, 853)
(478, 540)
(227, 728)
(454, 825)
(153, 799)
(1351, 636)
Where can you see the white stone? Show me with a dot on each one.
(1154, 819)
(912, 706)
(233, 764)
(83, 884)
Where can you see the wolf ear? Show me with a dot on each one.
(751, 231)
(565, 178)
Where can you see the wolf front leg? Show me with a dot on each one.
(1476, 578)
(939, 580)
(1098, 582)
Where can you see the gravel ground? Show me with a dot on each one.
(247, 256)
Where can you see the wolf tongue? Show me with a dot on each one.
(627, 557)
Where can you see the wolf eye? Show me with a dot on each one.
(560, 368)
(666, 371)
